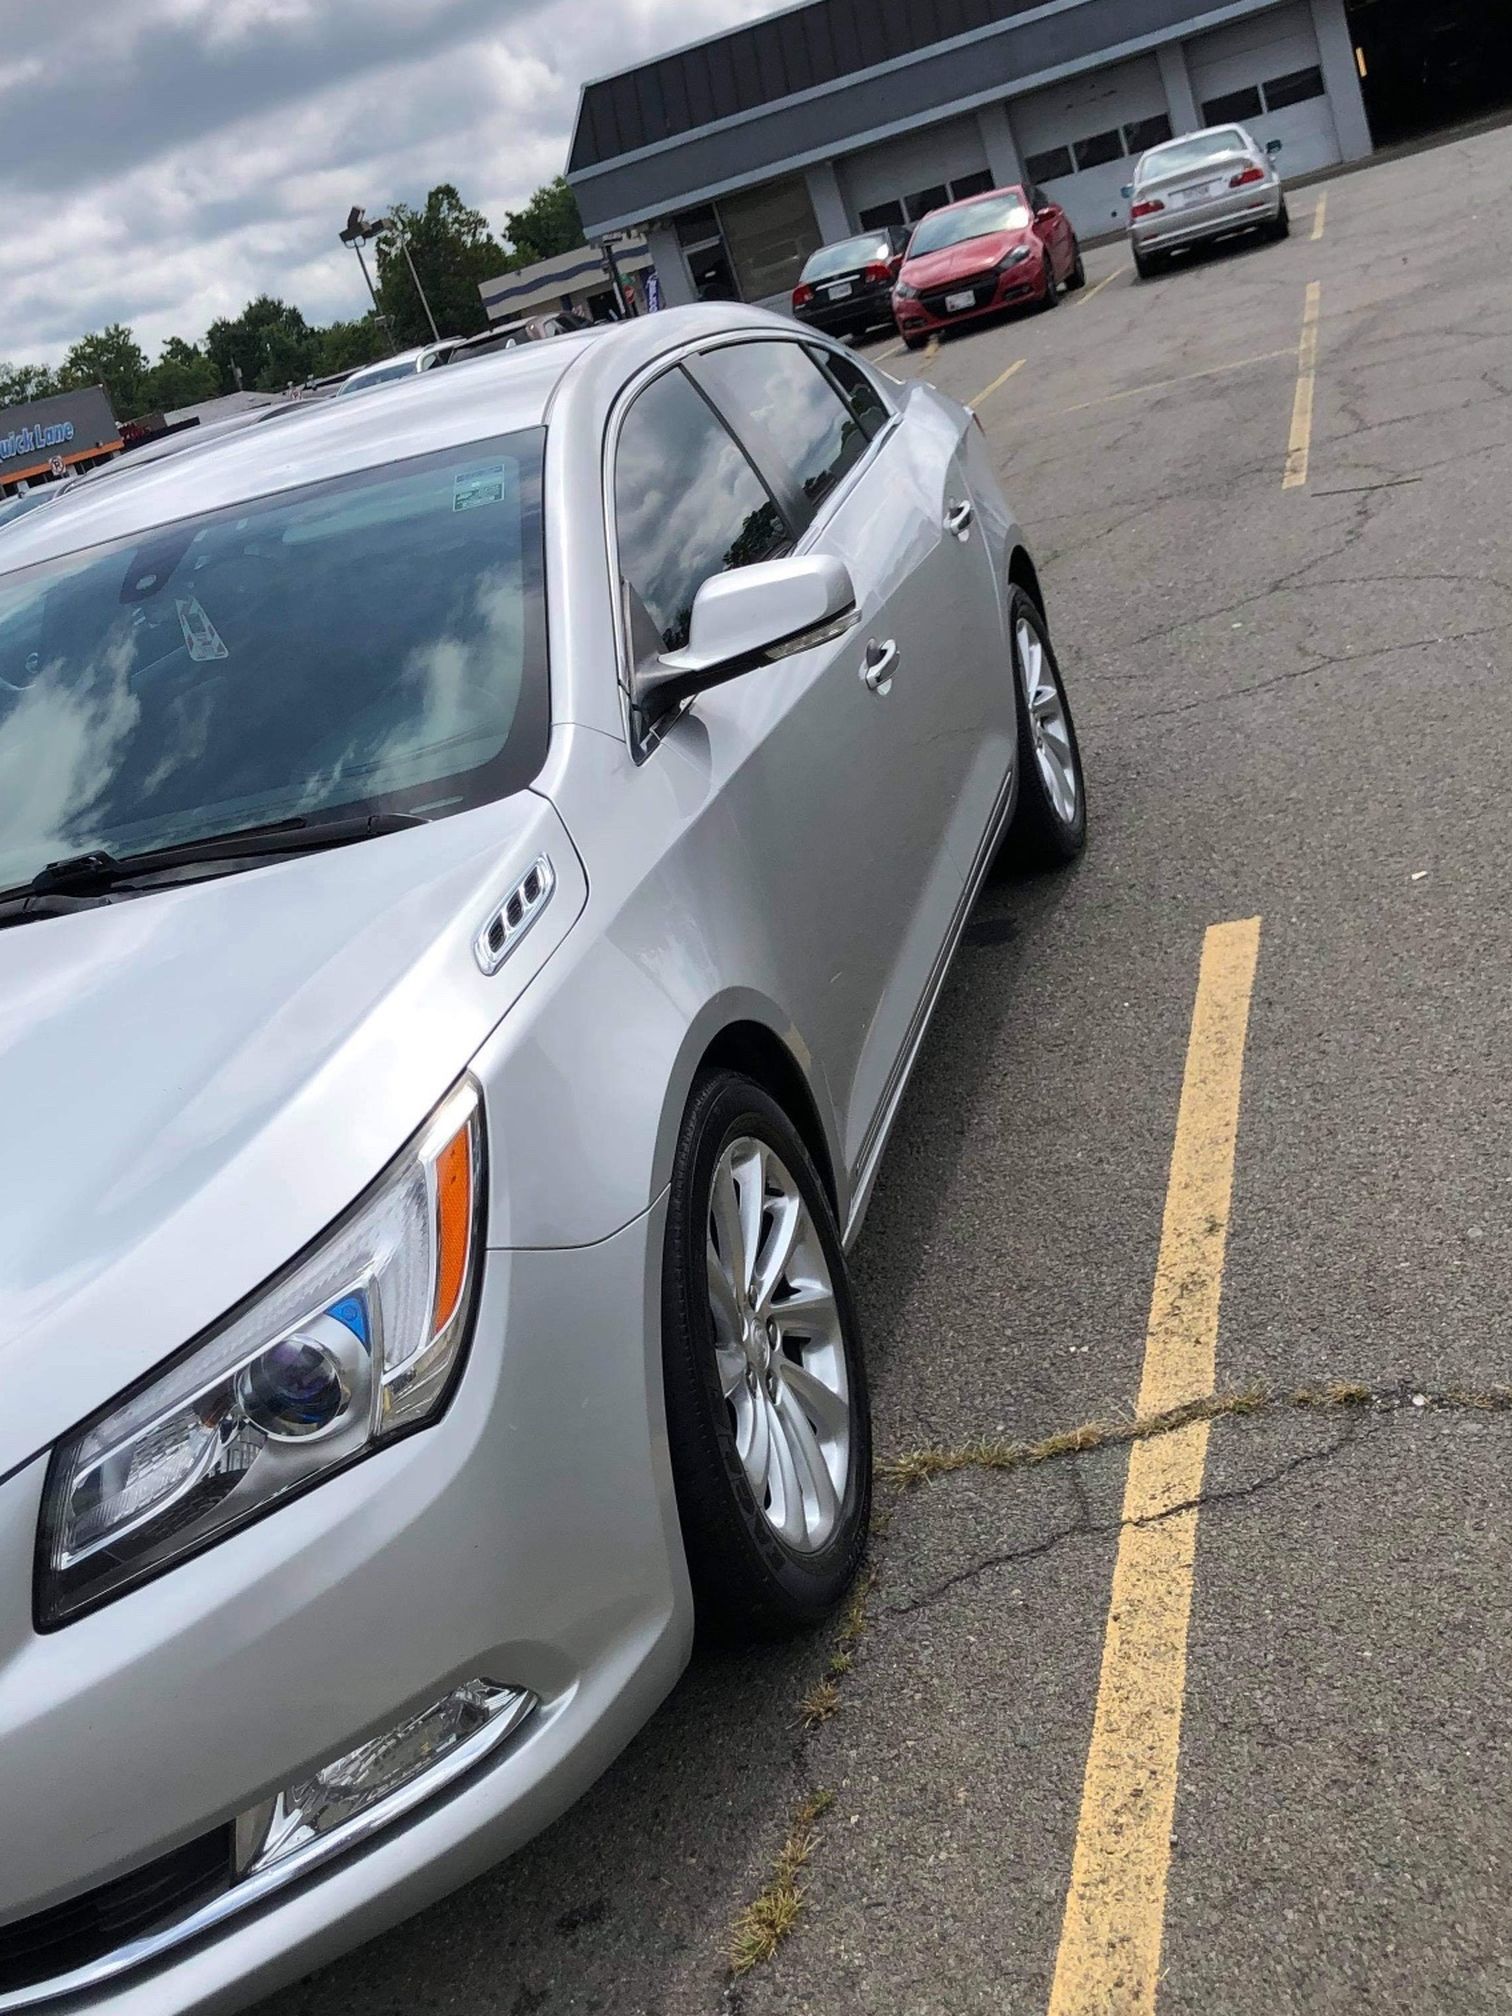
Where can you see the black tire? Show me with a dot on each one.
(1282, 226)
(1146, 263)
(1052, 294)
(914, 342)
(748, 1582)
(1078, 278)
(1040, 836)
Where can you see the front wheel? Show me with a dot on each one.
(767, 1408)
(914, 342)
(1051, 296)
(1050, 821)
(1078, 278)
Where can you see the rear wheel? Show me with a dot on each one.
(1050, 821)
(767, 1407)
(1146, 263)
(1282, 226)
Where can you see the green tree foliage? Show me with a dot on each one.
(182, 376)
(454, 252)
(22, 382)
(269, 345)
(346, 346)
(113, 358)
(549, 223)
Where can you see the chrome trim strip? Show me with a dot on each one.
(514, 1706)
(490, 957)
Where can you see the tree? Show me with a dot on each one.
(20, 383)
(268, 345)
(111, 357)
(549, 223)
(454, 252)
(182, 376)
(346, 346)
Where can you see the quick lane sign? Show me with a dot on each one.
(69, 427)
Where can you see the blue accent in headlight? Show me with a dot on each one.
(352, 1311)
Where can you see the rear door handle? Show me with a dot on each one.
(881, 663)
(958, 520)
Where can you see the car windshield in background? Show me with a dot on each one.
(1183, 155)
(830, 259)
(975, 220)
(362, 380)
(372, 643)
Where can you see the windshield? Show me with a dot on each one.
(1184, 155)
(972, 220)
(378, 374)
(371, 643)
(845, 258)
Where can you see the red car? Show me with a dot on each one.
(982, 255)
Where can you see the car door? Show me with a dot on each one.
(885, 492)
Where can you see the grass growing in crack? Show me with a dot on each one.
(821, 1702)
(769, 1918)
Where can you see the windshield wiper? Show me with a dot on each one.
(99, 874)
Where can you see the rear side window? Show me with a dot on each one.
(687, 504)
(790, 415)
(858, 392)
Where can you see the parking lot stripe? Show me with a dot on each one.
(1002, 379)
(1320, 217)
(1299, 449)
(894, 350)
(1090, 293)
(1164, 384)
(1108, 1962)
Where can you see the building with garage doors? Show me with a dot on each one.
(739, 155)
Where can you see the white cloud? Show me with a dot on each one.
(162, 161)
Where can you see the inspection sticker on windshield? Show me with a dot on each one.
(478, 486)
(201, 638)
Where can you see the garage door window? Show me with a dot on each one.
(1047, 167)
(1145, 133)
(1293, 89)
(1243, 104)
(881, 215)
(971, 185)
(924, 200)
(1099, 148)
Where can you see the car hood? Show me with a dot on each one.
(195, 1082)
(958, 262)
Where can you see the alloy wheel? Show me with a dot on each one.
(779, 1345)
(1049, 729)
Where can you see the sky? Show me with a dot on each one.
(162, 161)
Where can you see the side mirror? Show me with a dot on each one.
(1273, 146)
(1127, 192)
(747, 618)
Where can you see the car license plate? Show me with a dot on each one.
(841, 291)
(1203, 194)
(955, 302)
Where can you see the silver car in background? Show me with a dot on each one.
(1203, 186)
(477, 869)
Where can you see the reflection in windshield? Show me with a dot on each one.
(972, 220)
(372, 643)
(1182, 155)
(845, 258)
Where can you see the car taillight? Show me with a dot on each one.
(878, 272)
(1245, 176)
(1148, 208)
(802, 293)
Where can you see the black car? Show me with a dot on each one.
(846, 289)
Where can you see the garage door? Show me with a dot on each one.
(1265, 73)
(1076, 138)
(904, 179)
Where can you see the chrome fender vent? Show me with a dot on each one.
(515, 915)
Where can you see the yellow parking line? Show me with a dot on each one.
(932, 348)
(1109, 1957)
(1002, 379)
(1164, 384)
(1299, 448)
(1320, 217)
(1090, 293)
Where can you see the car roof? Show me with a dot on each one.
(309, 441)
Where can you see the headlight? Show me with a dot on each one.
(357, 1342)
(904, 292)
(1014, 258)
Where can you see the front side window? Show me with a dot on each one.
(782, 404)
(687, 505)
(373, 642)
(972, 220)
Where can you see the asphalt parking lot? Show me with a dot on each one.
(1288, 646)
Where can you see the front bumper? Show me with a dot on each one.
(530, 1535)
(1015, 288)
(1243, 210)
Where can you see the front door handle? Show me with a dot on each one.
(881, 663)
(958, 520)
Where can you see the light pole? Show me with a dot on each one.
(393, 224)
(357, 229)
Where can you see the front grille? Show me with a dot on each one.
(85, 1928)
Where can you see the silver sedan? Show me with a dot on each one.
(1203, 186)
(477, 869)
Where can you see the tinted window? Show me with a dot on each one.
(858, 392)
(1049, 166)
(687, 504)
(924, 200)
(1294, 88)
(974, 220)
(372, 642)
(1098, 148)
(847, 256)
(1243, 104)
(790, 414)
(1147, 133)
